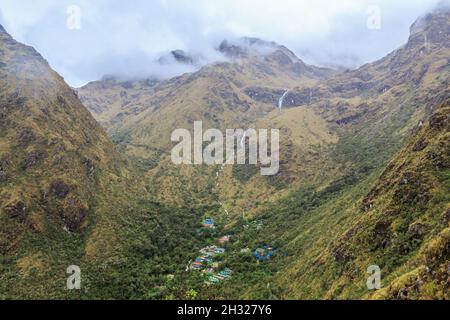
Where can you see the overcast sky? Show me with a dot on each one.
(118, 37)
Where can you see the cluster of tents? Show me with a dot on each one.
(202, 262)
(265, 252)
(205, 262)
(221, 276)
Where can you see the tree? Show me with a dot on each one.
(191, 294)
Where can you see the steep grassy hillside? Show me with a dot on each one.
(401, 224)
(64, 193)
(57, 169)
(397, 219)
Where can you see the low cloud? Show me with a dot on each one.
(127, 39)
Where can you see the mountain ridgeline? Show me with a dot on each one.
(364, 176)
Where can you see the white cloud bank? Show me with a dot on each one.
(124, 37)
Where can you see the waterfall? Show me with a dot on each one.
(281, 101)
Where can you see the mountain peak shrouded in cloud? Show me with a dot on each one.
(2, 21)
(119, 38)
(432, 28)
(181, 57)
(441, 10)
(443, 6)
(242, 47)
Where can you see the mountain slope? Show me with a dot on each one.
(325, 240)
(335, 126)
(246, 61)
(218, 94)
(63, 187)
(363, 180)
(339, 130)
(401, 225)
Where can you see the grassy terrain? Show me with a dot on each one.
(364, 179)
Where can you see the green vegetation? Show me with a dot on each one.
(364, 180)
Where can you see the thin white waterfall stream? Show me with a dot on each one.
(281, 101)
